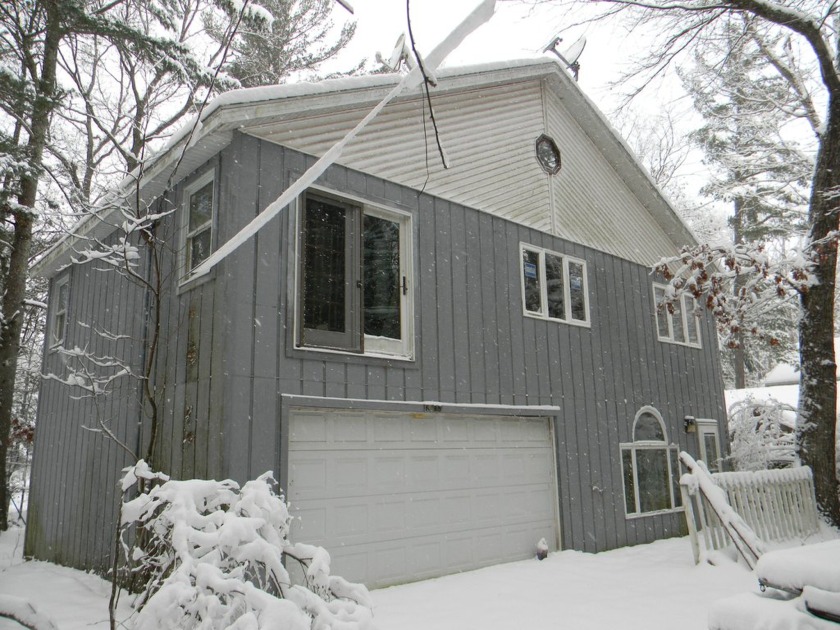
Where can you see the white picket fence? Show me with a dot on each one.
(776, 504)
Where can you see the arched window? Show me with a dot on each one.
(649, 466)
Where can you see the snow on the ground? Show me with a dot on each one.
(655, 586)
(648, 587)
(74, 600)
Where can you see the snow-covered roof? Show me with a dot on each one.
(788, 374)
(206, 134)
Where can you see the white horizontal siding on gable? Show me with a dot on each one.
(592, 204)
(488, 135)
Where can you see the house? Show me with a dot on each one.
(441, 367)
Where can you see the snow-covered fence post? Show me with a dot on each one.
(745, 539)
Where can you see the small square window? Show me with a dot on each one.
(679, 322)
(554, 286)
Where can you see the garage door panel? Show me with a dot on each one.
(420, 497)
(308, 428)
(422, 513)
(389, 473)
(456, 468)
(351, 471)
(423, 470)
(386, 430)
(422, 430)
(485, 431)
(389, 516)
(349, 429)
(308, 474)
(455, 430)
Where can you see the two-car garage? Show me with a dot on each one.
(399, 495)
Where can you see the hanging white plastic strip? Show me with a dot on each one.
(481, 14)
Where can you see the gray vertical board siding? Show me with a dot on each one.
(177, 337)
(426, 307)
(595, 336)
(474, 312)
(394, 384)
(612, 363)
(505, 294)
(515, 320)
(488, 352)
(265, 445)
(239, 180)
(376, 375)
(460, 304)
(443, 304)
(75, 471)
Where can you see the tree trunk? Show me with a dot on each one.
(816, 430)
(15, 285)
(738, 363)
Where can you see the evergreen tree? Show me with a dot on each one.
(746, 106)
(297, 40)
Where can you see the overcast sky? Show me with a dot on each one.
(517, 30)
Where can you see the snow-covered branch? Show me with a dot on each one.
(709, 274)
(214, 552)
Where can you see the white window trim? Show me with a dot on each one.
(567, 301)
(56, 342)
(684, 313)
(184, 273)
(373, 346)
(648, 445)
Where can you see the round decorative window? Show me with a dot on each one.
(548, 155)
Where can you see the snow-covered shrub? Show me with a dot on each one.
(762, 434)
(212, 557)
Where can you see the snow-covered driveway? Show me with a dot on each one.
(648, 587)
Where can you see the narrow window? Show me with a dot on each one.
(707, 437)
(198, 223)
(531, 272)
(554, 286)
(382, 282)
(354, 279)
(678, 321)
(330, 300)
(61, 301)
(649, 467)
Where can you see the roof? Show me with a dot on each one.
(205, 135)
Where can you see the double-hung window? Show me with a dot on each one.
(554, 286)
(649, 467)
(58, 318)
(197, 223)
(354, 292)
(678, 321)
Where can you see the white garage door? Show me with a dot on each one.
(397, 496)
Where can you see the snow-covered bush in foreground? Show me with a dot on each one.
(762, 434)
(212, 555)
